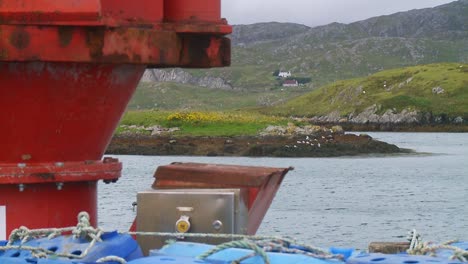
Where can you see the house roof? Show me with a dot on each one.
(290, 82)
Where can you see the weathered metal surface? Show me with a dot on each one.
(118, 46)
(157, 33)
(42, 195)
(44, 11)
(143, 12)
(216, 211)
(262, 183)
(64, 172)
(45, 205)
(67, 72)
(388, 247)
(189, 10)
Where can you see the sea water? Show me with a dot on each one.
(345, 201)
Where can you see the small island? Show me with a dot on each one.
(236, 134)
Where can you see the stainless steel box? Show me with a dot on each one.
(218, 211)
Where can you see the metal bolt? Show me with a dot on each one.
(217, 225)
(59, 164)
(21, 187)
(59, 186)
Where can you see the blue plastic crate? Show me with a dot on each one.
(173, 260)
(113, 244)
(189, 251)
(398, 259)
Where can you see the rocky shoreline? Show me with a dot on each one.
(331, 144)
(406, 120)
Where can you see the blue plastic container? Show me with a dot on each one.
(445, 253)
(172, 260)
(113, 244)
(39, 261)
(462, 245)
(398, 259)
(189, 251)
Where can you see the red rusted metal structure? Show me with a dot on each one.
(67, 72)
(261, 183)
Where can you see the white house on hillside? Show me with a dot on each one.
(284, 74)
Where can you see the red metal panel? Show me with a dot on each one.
(262, 183)
(135, 11)
(64, 172)
(263, 200)
(43, 205)
(31, 11)
(62, 111)
(104, 45)
(52, 195)
(192, 10)
(67, 71)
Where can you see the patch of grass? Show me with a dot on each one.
(174, 96)
(204, 123)
(406, 88)
(404, 101)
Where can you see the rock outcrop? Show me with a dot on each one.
(371, 115)
(319, 145)
(180, 76)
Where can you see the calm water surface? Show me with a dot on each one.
(347, 201)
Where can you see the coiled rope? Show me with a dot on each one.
(238, 244)
(266, 243)
(82, 230)
(418, 247)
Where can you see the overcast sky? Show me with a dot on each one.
(316, 12)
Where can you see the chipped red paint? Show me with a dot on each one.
(64, 172)
(67, 72)
(118, 46)
(135, 12)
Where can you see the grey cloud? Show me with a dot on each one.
(316, 12)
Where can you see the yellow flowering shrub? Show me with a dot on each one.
(212, 117)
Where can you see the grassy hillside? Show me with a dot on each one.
(324, 54)
(196, 123)
(342, 51)
(174, 96)
(325, 62)
(436, 88)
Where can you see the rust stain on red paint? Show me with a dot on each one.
(95, 42)
(20, 39)
(65, 35)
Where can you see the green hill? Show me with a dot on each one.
(324, 54)
(176, 96)
(342, 51)
(436, 89)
